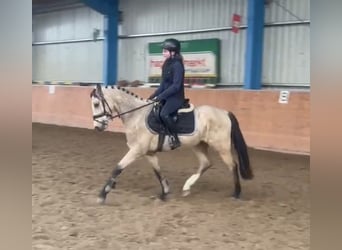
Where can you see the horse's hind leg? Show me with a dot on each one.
(131, 156)
(227, 157)
(162, 180)
(237, 189)
(201, 151)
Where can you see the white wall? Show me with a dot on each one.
(69, 61)
(286, 48)
(156, 16)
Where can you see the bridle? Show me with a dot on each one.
(107, 111)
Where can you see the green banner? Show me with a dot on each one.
(201, 62)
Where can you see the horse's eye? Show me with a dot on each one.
(96, 104)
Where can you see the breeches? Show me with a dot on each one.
(165, 114)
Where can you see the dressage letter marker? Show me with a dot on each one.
(284, 97)
(51, 89)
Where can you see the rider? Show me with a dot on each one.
(171, 90)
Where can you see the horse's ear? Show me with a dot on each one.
(99, 89)
(92, 93)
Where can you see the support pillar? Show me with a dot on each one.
(254, 46)
(110, 10)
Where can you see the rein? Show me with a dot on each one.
(129, 111)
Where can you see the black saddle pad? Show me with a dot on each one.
(185, 122)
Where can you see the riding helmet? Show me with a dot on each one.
(172, 44)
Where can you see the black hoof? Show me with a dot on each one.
(163, 197)
(236, 195)
(102, 197)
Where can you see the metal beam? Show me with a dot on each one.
(110, 52)
(110, 10)
(220, 29)
(255, 44)
(98, 5)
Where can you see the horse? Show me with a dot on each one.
(213, 127)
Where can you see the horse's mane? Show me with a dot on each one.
(128, 92)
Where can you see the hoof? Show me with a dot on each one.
(186, 193)
(236, 195)
(163, 197)
(100, 200)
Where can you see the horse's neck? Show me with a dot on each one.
(126, 102)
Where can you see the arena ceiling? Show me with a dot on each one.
(41, 6)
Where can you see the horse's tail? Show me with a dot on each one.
(241, 148)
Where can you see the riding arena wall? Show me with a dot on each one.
(267, 121)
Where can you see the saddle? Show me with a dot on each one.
(184, 119)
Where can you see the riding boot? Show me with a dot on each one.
(174, 140)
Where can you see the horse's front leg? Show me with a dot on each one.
(131, 156)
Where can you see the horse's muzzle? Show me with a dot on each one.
(100, 129)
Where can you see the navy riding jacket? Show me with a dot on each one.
(171, 89)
